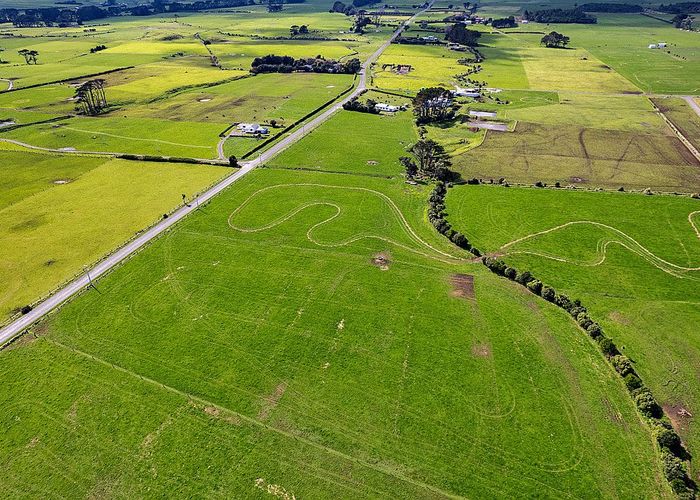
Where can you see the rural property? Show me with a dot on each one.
(349, 249)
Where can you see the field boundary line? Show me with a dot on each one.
(64, 80)
(256, 422)
(689, 145)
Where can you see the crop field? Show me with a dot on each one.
(58, 214)
(633, 260)
(333, 388)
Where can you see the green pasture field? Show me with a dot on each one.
(619, 41)
(60, 213)
(629, 113)
(682, 116)
(586, 156)
(256, 347)
(433, 66)
(281, 97)
(626, 257)
(354, 142)
(115, 134)
(52, 99)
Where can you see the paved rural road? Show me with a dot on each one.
(21, 324)
(689, 99)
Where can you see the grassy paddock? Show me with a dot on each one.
(369, 381)
(627, 257)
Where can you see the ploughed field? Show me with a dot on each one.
(311, 331)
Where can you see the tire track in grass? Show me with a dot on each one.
(444, 256)
(626, 241)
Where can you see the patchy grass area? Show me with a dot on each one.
(306, 358)
(55, 219)
(628, 257)
(587, 156)
(682, 116)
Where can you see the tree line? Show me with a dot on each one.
(681, 8)
(436, 215)
(576, 15)
(288, 64)
(68, 16)
(620, 8)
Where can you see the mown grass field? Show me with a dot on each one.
(354, 142)
(60, 213)
(627, 258)
(257, 344)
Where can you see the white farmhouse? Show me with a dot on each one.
(252, 128)
(387, 108)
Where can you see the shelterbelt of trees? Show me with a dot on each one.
(68, 16)
(288, 64)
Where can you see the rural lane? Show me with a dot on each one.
(16, 327)
(691, 102)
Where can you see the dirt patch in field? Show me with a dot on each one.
(217, 413)
(372, 162)
(679, 415)
(481, 350)
(577, 180)
(462, 286)
(33, 442)
(62, 181)
(613, 415)
(618, 317)
(382, 260)
(270, 401)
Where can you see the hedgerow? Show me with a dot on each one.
(436, 215)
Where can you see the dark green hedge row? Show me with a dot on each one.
(672, 452)
(436, 215)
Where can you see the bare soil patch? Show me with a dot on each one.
(481, 350)
(618, 317)
(462, 286)
(270, 401)
(62, 181)
(382, 260)
(679, 415)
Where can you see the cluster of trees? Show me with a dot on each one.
(560, 16)
(98, 48)
(458, 33)
(683, 21)
(555, 40)
(354, 104)
(90, 97)
(68, 16)
(342, 8)
(295, 30)
(506, 22)
(436, 215)
(29, 55)
(429, 161)
(433, 104)
(672, 452)
(288, 64)
(611, 7)
(681, 8)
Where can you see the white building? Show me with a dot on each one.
(662, 45)
(387, 108)
(252, 128)
(653, 46)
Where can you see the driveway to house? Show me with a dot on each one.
(19, 325)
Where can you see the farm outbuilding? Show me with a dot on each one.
(387, 108)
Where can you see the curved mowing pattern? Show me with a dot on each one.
(620, 238)
(408, 230)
